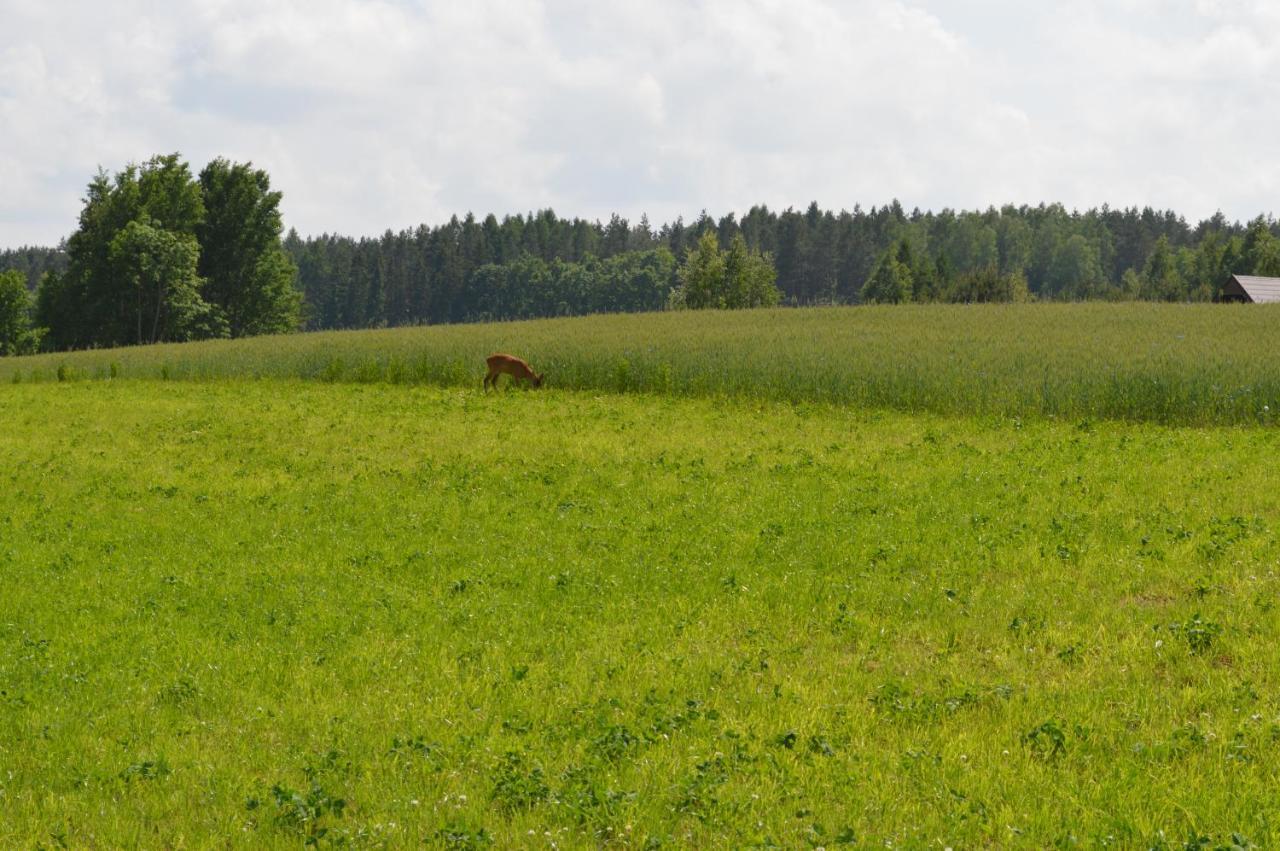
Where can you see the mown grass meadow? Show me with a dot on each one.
(1173, 364)
(263, 613)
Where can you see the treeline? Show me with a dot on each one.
(433, 274)
(33, 262)
(162, 254)
(447, 275)
(427, 277)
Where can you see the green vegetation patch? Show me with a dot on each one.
(1173, 364)
(262, 614)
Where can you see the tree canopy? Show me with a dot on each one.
(430, 274)
(160, 256)
(246, 272)
(16, 334)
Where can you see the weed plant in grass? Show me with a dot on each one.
(258, 614)
(1173, 364)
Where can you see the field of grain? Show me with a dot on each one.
(1172, 364)
(263, 613)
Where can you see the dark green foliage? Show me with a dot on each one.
(132, 253)
(516, 786)
(1047, 741)
(702, 275)
(147, 770)
(16, 334)
(470, 269)
(734, 278)
(307, 813)
(33, 262)
(248, 276)
(1161, 280)
(151, 261)
(1261, 248)
(529, 287)
(891, 282)
(156, 269)
(1075, 270)
(988, 284)
(1198, 633)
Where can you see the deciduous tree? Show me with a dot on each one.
(248, 275)
(16, 336)
(158, 269)
(890, 281)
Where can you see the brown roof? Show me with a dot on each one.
(1260, 290)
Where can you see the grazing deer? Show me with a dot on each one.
(512, 366)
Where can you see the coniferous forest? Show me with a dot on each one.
(541, 264)
(161, 253)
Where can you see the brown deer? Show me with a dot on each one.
(512, 366)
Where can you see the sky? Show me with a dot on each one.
(385, 114)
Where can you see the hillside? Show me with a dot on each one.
(1188, 364)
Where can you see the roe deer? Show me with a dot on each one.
(512, 366)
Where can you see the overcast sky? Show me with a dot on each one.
(375, 115)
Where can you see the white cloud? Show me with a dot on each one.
(388, 113)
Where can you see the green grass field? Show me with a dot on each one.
(1172, 364)
(260, 613)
